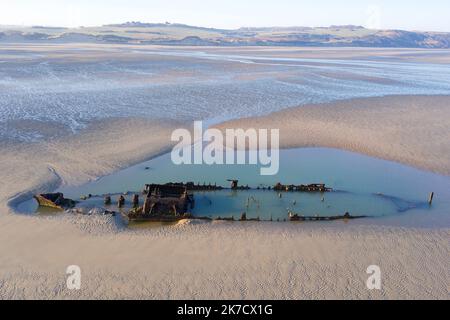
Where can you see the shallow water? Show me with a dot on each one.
(362, 186)
(189, 85)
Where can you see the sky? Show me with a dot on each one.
(431, 15)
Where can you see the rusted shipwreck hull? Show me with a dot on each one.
(138, 217)
(315, 187)
(164, 203)
(54, 200)
(189, 186)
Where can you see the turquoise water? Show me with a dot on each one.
(362, 186)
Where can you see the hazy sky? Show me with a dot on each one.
(398, 14)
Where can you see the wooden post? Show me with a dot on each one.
(430, 199)
(135, 201)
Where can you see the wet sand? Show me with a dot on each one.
(413, 130)
(220, 260)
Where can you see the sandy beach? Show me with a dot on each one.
(413, 130)
(224, 260)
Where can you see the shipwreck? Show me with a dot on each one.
(174, 201)
(346, 216)
(54, 200)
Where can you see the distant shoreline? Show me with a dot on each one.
(240, 261)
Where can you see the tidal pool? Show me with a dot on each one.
(361, 185)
